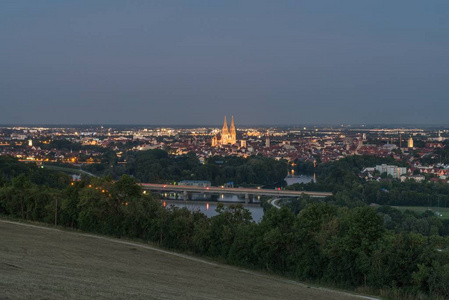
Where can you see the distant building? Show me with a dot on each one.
(267, 140)
(410, 143)
(76, 177)
(417, 178)
(434, 145)
(16, 136)
(394, 171)
(214, 141)
(368, 170)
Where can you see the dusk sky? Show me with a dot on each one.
(191, 62)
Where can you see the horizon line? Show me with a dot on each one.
(340, 125)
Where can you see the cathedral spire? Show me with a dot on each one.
(232, 132)
(225, 130)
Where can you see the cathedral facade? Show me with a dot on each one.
(228, 135)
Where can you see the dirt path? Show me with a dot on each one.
(45, 263)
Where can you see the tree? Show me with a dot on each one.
(224, 227)
(359, 230)
(276, 244)
(315, 227)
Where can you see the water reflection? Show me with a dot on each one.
(203, 197)
(207, 203)
(292, 179)
(209, 208)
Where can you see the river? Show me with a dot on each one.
(208, 208)
(207, 203)
(292, 179)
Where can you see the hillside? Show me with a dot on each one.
(45, 263)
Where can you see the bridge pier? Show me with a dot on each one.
(248, 198)
(187, 195)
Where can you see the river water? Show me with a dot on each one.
(292, 179)
(207, 203)
(208, 208)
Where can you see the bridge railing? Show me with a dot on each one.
(227, 190)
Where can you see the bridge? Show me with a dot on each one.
(249, 193)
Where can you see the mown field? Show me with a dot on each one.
(46, 263)
(444, 211)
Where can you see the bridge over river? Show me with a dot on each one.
(249, 193)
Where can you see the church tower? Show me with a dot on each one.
(232, 133)
(267, 140)
(410, 143)
(224, 131)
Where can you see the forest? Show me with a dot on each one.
(156, 166)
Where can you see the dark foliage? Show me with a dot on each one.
(157, 166)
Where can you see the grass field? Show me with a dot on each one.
(444, 211)
(46, 263)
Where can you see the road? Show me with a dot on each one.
(69, 170)
(236, 191)
(274, 202)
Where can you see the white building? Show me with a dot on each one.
(394, 171)
(17, 136)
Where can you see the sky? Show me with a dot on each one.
(192, 62)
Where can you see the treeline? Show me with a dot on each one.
(355, 163)
(342, 178)
(324, 243)
(158, 167)
(10, 168)
(426, 224)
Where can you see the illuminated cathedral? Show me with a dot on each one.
(228, 135)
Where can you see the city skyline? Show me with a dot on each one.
(184, 63)
(242, 126)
